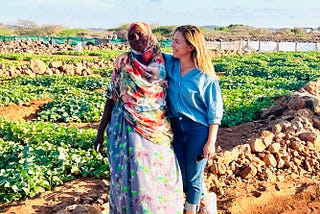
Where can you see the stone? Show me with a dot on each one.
(37, 66)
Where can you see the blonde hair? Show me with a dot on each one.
(200, 56)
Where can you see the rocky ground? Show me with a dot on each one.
(243, 174)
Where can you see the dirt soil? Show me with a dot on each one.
(294, 195)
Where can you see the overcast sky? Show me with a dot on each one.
(113, 13)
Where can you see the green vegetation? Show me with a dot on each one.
(76, 99)
(36, 156)
(5, 32)
(163, 32)
(73, 56)
(106, 54)
(253, 82)
(292, 65)
(72, 32)
(245, 96)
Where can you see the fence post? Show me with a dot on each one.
(240, 45)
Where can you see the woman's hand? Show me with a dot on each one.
(122, 58)
(98, 143)
(210, 147)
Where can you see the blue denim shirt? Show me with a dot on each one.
(195, 95)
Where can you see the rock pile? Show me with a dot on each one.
(38, 67)
(39, 47)
(290, 145)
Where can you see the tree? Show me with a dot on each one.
(50, 30)
(26, 28)
(164, 31)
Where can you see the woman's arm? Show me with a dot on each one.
(209, 148)
(98, 143)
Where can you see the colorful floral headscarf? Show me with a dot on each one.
(141, 87)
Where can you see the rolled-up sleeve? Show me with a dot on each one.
(213, 99)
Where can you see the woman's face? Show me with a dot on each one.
(180, 47)
(138, 39)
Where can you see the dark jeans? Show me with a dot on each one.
(189, 139)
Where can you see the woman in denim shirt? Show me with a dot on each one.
(196, 109)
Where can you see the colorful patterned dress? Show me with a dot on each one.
(145, 177)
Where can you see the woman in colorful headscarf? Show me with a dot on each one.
(144, 174)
